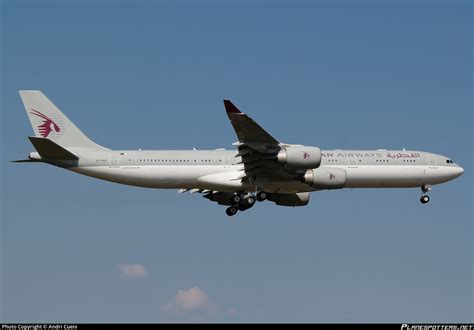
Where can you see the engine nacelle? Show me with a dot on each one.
(326, 178)
(298, 199)
(300, 157)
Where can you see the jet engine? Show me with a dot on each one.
(298, 199)
(326, 178)
(300, 157)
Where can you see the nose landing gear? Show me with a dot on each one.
(424, 197)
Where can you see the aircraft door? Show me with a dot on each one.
(226, 161)
(113, 160)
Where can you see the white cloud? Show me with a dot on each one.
(190, 302)
(132, 271)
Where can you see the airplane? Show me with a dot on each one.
(262, 168)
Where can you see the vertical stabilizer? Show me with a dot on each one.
(50, 123)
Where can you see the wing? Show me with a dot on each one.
(257, 148)
(248, 131)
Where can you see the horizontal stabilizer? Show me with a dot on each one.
(50, 150)
(25, 161)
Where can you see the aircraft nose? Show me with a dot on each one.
(457, 171)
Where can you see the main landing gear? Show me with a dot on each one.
(232, 210)
(261, 196)
(424, 197)
(242, 202)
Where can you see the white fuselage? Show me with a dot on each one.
(219, 169)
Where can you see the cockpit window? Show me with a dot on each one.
(449, 161)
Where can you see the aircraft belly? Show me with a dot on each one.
(226, 179)
(152, 176)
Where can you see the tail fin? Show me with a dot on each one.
(49, 122)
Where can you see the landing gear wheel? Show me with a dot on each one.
(230, 211)
(261, 196)
(424, 199)
(236, 199)
(247, 203)
(250, 200)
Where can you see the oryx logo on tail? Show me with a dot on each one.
(48, 124)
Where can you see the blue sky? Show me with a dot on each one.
(152, 75)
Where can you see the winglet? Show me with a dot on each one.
(230, 107)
